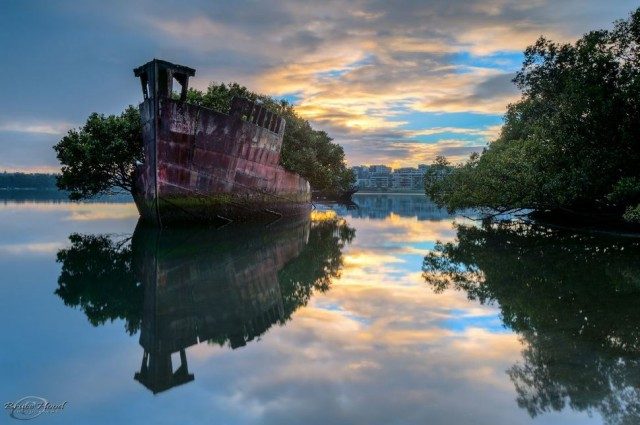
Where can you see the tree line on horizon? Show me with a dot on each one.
(19, 180)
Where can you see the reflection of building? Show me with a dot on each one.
(380, 206)
(208, 285)
(383, 178)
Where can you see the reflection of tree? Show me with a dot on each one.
(97, 277)
(573, 298)
(318, 263)
(187, 285)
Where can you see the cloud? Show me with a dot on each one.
(362, 70)
(409, 153)
(488, 132)
(31, 248)
(51, 128)
(483, 91)
(354, 72)
(197, 28)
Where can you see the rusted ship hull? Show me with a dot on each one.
(202, 165)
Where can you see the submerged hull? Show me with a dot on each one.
(202, 165)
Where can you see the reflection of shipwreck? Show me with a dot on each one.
(182, 286)
(208, 285)
(203, 165)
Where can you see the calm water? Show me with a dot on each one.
(387, 313)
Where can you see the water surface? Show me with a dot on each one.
(385, 312)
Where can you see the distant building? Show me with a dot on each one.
(380, 169)
(362, 176)
(379, 176)
(385, 179)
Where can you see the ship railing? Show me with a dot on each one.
(257, 114)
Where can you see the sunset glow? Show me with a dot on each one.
(396, 85)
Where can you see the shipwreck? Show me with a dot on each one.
(206, 166)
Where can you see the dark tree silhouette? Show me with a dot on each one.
(573, 298)
(317, 265)
(97, 276)
(571, 143)
(111, 278)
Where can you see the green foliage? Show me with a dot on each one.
(319, 263)
(101, 155)
(308, 152)
(573, 300)
(106, 276)
(632, 214)
(219, 96)
(627, 188)
(572, 142)
(97, 276)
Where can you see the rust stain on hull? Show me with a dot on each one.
(202, 165)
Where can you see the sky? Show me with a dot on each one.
(394, 82)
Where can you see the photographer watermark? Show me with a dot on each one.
(30, 407)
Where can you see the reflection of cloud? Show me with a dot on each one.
(479, 343)
(80, 211)
(113, 212)
(363, 259)
(30, 169)
(371, 353)
(403, 230)
(378, 347)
